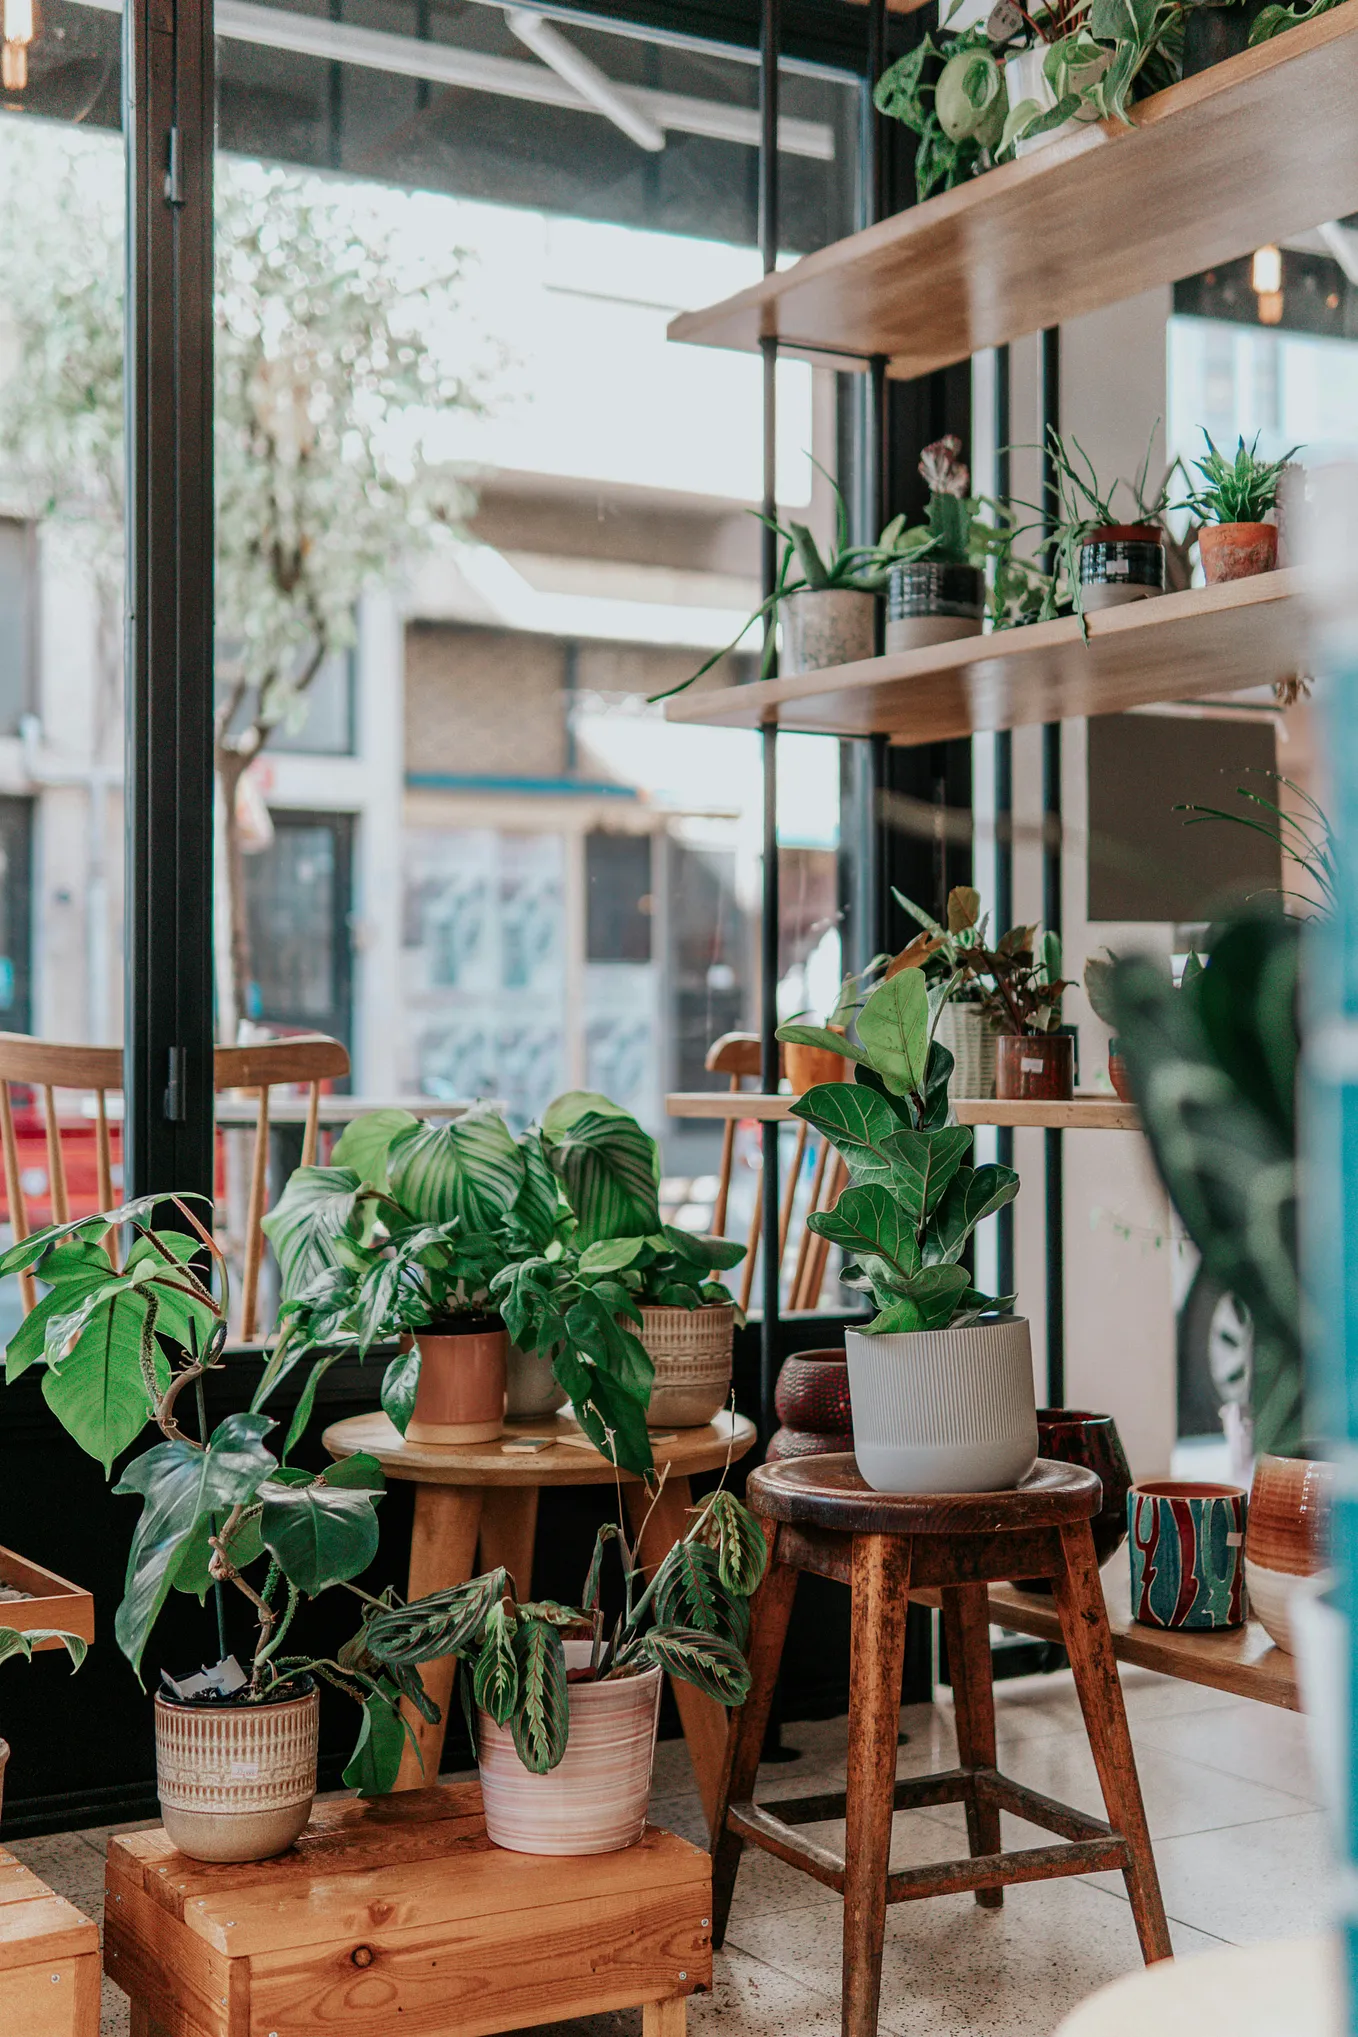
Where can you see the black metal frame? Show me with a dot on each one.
(168, 118)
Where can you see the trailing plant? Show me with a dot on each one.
(913, 1200)
(1239, 490)
(1214, 1072)
(952, 95)
(218, 1508)
(1117, 50)
(1017, 983)
(692, 1620)
(1276, 20)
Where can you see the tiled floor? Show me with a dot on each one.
(1232, 1809)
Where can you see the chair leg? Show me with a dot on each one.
(881, 1585)
(770, 1614)
(966, 1628)
(1084, 1627)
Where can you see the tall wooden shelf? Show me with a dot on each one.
(1208, 640)
(1075, 1114)
(1253, 150)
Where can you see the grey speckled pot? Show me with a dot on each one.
(830, 626)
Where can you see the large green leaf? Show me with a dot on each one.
(318, 1206)
(609, 1254)
(597, 1335)
(373, 1766)
(792, 1034)
(713, 1665)
(542, 1719)
(564, 1111)
(538, 1203)
(924, 1164)
(98, 1389)
(973, 1194)
(179, 1484)
(857, 1121)
(931, 1304)
(365, 1143)
(76, 1268)
(871, 1221)
(470, 1168)
(703, 1250)
(611, 1173)
(14, 1643)
(894, 1027)
(400, 1384)
(612, 1418)
(319, 1534)
(192, 1573)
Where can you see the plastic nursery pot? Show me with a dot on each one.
(1237, 551)
(1034, 1067)
(930, 603)
(1025, 78)
(691, 1352)
(1211, 34)
(826, 626)
(1121, 562)
(461, 1394)
(1117, 1072)
(1286, 1531)
(944, 1410)
(236, 1781)
(812, 1401)
(594, 1800)
(969, 1037)
(1075, 1436)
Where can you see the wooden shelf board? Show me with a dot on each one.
(1080, 1113)
(1253, 150)
(1173, 646)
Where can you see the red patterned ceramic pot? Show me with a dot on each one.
(1285, 1537)
(812, 1399)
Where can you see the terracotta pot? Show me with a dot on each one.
(1034, 1067)
(691, 1352)
(236, 1781)
(595, 1800)
(970, 1038)
(1074, 1436)
(1237, 551)
(1117, 1072)
(461, 1394)
(1285, 1537)
(532, 1388)
(812, 1399)
(826, 626)
(806, 1066)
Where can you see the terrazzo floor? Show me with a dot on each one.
(1232, 1808)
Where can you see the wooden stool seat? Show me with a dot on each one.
(819, 1515)
(49, 1959)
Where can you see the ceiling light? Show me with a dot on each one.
(17, 26)
(1266, 275)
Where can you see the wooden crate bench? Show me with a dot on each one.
(397, 1914)
(49, 1960)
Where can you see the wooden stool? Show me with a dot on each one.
(397, 1914)
(820, 1516)
(49, 1960)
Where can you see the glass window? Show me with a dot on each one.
(299, 898)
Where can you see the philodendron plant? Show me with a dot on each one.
(692, 1620)
(914, 1199)
(218, 1509)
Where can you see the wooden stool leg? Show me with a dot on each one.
(705, 1722)
(509, 1525)
(770, 1614)
(966, 1627)
(665, 2019)
(442, 1552)
(881, 1583)
(1084, 1627)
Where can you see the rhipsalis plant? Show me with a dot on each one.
(914, 1199)
(692, 1620)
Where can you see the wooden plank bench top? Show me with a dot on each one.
(49, 1959)
(400, 1907)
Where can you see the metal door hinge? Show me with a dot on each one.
(176, 1103)
(174, 189)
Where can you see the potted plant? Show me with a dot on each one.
(1086, 62)
(952, 95)
(806, 1061)
(567, 1697)
(235, 1747)
(1098, 989)
(1103, 561)
(1016, 987)
(1235, 540)
(13, 1642)
(939, 1360)
(936, 570)
(963, 1024)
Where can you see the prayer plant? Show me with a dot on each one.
(914, 1199)
(692, 1620)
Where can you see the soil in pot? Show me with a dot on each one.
(1075, 1436)
(691, 1352)
(826, 626)
(1121, 563)
(595, 1799)
(1237, 551)
(812, 1401)
(931, 603)
(463, 1376)
(941, 1411)
(1034, 1067)
(236, 1781)
(1286, 1531)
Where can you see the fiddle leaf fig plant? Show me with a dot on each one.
(913, 1198)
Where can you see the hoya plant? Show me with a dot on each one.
(913, 1199)
(692, 1620)
(219, 1512)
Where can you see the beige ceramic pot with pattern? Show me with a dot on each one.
(236, 1781)
(691, 1352)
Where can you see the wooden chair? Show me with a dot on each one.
(738, 1056)
(820, 1516)
(46, 1066)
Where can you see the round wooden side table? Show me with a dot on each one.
(485, 1495)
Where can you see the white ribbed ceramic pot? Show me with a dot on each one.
(595, 1799)
(691, 1352)
(236, 1781)
(826, 626)
(944, 1410)
(1025, 78)
(967, 1034)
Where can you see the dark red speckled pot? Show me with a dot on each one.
(812, 1399)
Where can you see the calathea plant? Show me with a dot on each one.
(691, 1620)
(914, 1199)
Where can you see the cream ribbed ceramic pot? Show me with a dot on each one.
(236, 1781)
(595, 1799)
(691, 1352)
(944, 1410)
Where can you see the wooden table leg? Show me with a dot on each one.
(966, 1627)
(509, 1525)
(769, 1616)
(442, 1552)
(1084, 1628)
(881, 1587)
(665, 2019)
(705, 1722)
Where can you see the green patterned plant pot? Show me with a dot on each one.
(1187, 1546)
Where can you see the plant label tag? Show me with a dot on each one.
(1234, 1541)
(1031, 1067)
(243, 1771)
(1004, 21)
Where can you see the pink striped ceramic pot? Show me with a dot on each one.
(595, 1800)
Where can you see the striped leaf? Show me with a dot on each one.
(611, 1172)
(711, 1664)
(732, 1530)
(495, 1680)
(443, 1623)
(690, 1592)
(470, 1168)
(318, 1206)
(542, 1716)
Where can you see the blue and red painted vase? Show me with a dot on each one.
(1187, 1547)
